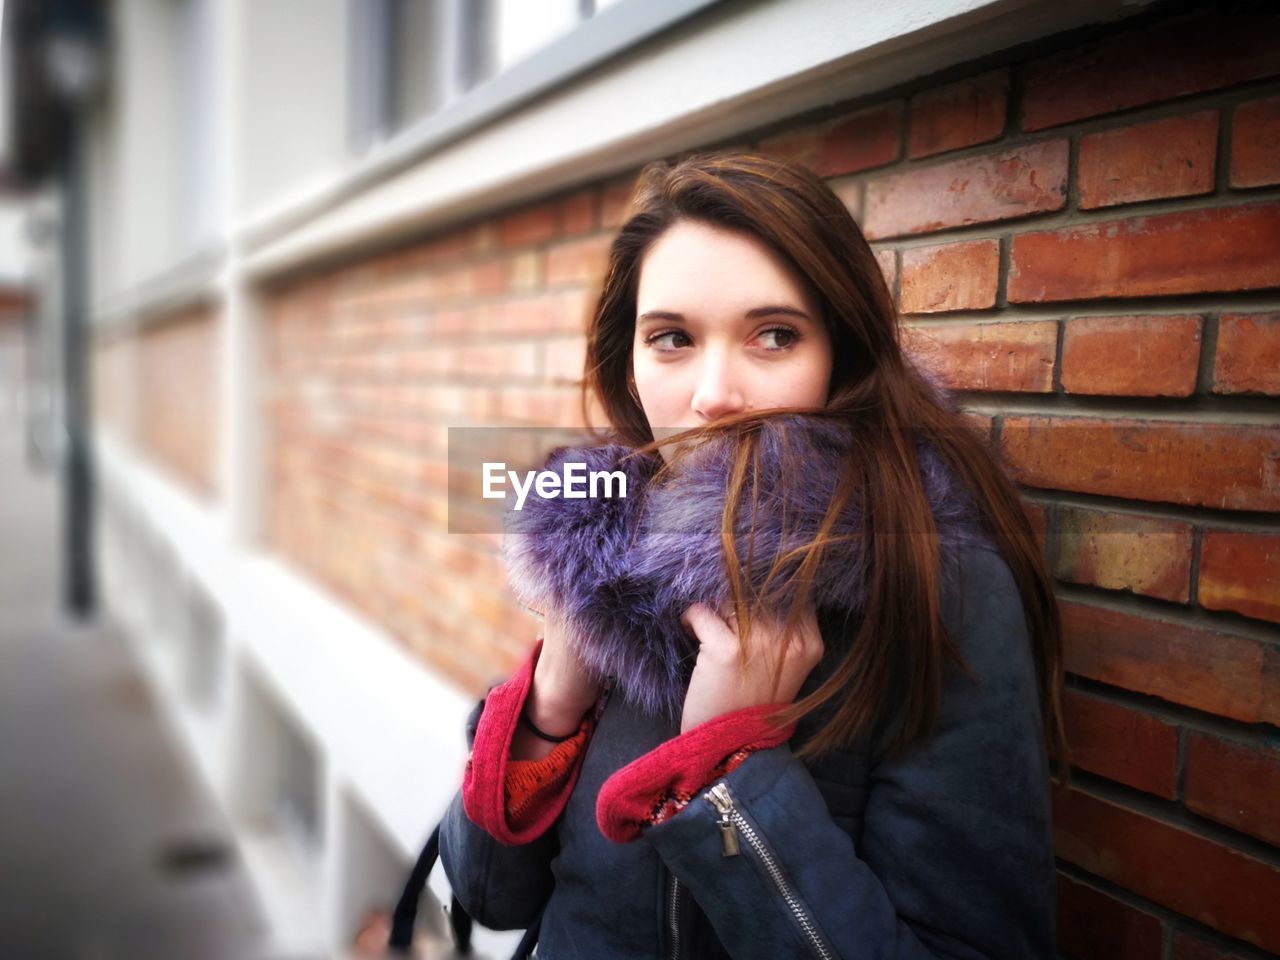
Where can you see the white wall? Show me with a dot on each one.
(143, 139)
(15, 266)
(291, 98)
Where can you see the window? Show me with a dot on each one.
(413, 59)
(400, 64)
(508, 31)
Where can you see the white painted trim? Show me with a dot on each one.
(389, 730)
(733, 69)
(350, 683)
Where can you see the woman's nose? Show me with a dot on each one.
(718, 392)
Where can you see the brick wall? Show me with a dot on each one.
(114, 401)
(1085, 239)
(369, 365)
(176, 406)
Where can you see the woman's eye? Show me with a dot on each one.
(778, 338)
(667, 340)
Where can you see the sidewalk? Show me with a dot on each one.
(109, 849)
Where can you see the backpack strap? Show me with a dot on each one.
(406, 911)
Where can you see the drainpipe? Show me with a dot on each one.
(74, 61)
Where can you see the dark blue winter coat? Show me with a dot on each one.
(944, 851)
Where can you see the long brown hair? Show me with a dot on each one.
(885, 404)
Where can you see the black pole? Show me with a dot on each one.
(78, 580)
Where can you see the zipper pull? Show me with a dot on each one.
(720, 798)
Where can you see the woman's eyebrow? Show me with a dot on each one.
(756, 313)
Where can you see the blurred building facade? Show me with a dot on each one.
(323, 232)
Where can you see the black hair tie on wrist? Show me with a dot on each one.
(542, 735)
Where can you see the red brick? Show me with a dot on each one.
(536, 224)
(114, 385)
(1235, 784)
(951, 276)
(888, 263)
(490, 608)
(564, 360)
(565, 312)
(850, 194)
(981, 423)
(1248, 354)
(1241, 572)
(469, 241)
(578, 261)
(1028, 179)
(1122, 744)
(1224, 466)
(1255, 143)
(1173, 157)
(459, 320)
(525, 270)
(595, 411)
(988, 356)
(444, 400)
(177, 397)
(1144, 356)
(1181, 56)
(488, 278)
(1124, 551)
(580, 212)
(1224, 249)
(424, 362)
(1187, 947)
(1213, 884)
(868, 138)
(959, 115)
(541, 406)
(1094, 925)
(497, 360)
(461, 667)
(1232, 676)
(1039, 518)
(452, 284)
(422, 436)
(615, 202)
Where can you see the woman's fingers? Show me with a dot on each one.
(718, 631)
(713, 634)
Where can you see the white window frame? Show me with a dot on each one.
(598, 37)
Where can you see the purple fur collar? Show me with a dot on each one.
(624, 570)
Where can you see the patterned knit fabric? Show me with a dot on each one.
(533, 785)
(673, 801)
(658, 784)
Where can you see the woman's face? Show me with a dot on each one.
(723, 326)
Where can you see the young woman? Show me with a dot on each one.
(839, 750)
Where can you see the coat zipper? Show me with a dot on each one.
(731, 823)
(673, 917)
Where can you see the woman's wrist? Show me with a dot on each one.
(554, 713)
(527, 745)
(559, 699)
(539, 732)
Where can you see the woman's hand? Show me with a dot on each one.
(561, 688)
(720, 685)
(560, 695)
